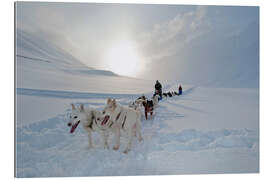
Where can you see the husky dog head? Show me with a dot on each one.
(110, 106)
(76, 116)
(97, 117)
(133, 105)
(142, 97)
(109, 110)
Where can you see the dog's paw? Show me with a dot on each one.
(115, 148)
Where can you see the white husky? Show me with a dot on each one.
(123, 118)
(91, 120)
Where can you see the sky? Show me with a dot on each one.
(183, 42)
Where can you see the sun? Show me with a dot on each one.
(123, 59)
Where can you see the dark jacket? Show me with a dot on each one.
(158, 86)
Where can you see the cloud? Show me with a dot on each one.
(85, 30)
(166, 38)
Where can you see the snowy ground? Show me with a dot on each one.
(203, 131)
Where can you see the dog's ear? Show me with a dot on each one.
(81, 108)
(114, 103)
(109, 100)
(144, 103)
(73, 106)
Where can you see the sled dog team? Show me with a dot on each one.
(114, 118)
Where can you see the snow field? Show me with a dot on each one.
(46, 148)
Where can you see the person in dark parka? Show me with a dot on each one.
(180, 90)
(158, 89)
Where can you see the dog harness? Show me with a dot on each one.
(111, 124)
(91, 125)
(124, 121)
(117, 117)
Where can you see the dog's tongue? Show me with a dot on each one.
(105, 120)
(74, 127)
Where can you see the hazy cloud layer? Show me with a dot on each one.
(165, 38)
(179, 38)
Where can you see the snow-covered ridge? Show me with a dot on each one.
(33, 59)
(33, 45)
(36, 50)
